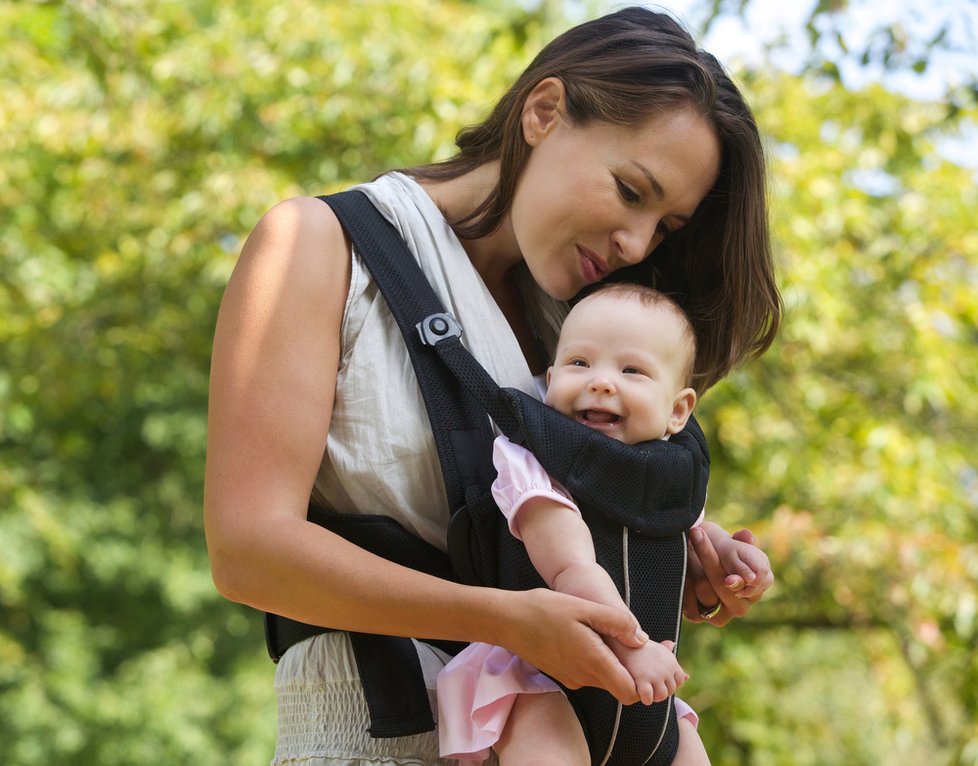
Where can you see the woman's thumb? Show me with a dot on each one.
(622, 625)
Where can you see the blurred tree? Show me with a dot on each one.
(140, 142)
(849, 447)
(856, 39)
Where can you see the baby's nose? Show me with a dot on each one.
(601, 384)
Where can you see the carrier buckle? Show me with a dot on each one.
(438, 327)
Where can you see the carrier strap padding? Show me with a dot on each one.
(462, 432)
(666, 487)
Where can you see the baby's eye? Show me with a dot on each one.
(578, 363)
(627, 192)
(632, 371)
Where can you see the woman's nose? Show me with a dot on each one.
(636, 243)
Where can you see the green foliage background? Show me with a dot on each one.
(139, 142)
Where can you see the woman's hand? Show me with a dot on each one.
(710, 586)
(562, 636)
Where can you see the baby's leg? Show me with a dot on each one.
(542, 730)
(691, 751)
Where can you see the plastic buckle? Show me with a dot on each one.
(438, 327)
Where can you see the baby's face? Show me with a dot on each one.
(619, 369)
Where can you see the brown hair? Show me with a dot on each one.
(622, 69)
(652, 298)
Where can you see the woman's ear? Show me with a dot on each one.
(542, 109)
(682, 408)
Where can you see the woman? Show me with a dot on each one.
(619, 142)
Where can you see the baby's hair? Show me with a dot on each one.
(652, 298)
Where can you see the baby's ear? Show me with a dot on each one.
(682, 408)
(546, 395)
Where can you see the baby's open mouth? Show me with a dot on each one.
(597, 417)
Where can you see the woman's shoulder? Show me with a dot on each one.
(301, 234)
(296, 222)
(298, 249)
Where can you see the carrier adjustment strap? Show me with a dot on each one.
(467, 371)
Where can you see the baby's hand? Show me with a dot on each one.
(654, 667)
(743, 563)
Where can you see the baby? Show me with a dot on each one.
(623, 367)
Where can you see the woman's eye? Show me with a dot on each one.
(627, 192)
(669, 226)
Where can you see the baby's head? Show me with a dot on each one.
(624, 363)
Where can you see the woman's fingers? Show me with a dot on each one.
(610, 674)
(719, 590)
(563, 636)
(708, 557)
(698, 590)
(711, 589)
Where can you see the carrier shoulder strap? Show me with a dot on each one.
(462, 432)
(389, 667)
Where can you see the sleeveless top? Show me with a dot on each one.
(380, 456)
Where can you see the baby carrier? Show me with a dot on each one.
(639, 502)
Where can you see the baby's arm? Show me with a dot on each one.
(561, 549)
(542, 514)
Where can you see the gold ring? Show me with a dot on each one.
(708, 613)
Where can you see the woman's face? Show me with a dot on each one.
(595, 198)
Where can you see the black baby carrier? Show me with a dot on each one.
(639, 502)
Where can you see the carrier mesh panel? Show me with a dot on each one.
(638, 502)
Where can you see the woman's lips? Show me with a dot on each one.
(593, 267)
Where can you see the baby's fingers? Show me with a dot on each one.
(753, 587)
(751, 591)
(665, 688)
(680, 678)
(741, 569)
(646, 692)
